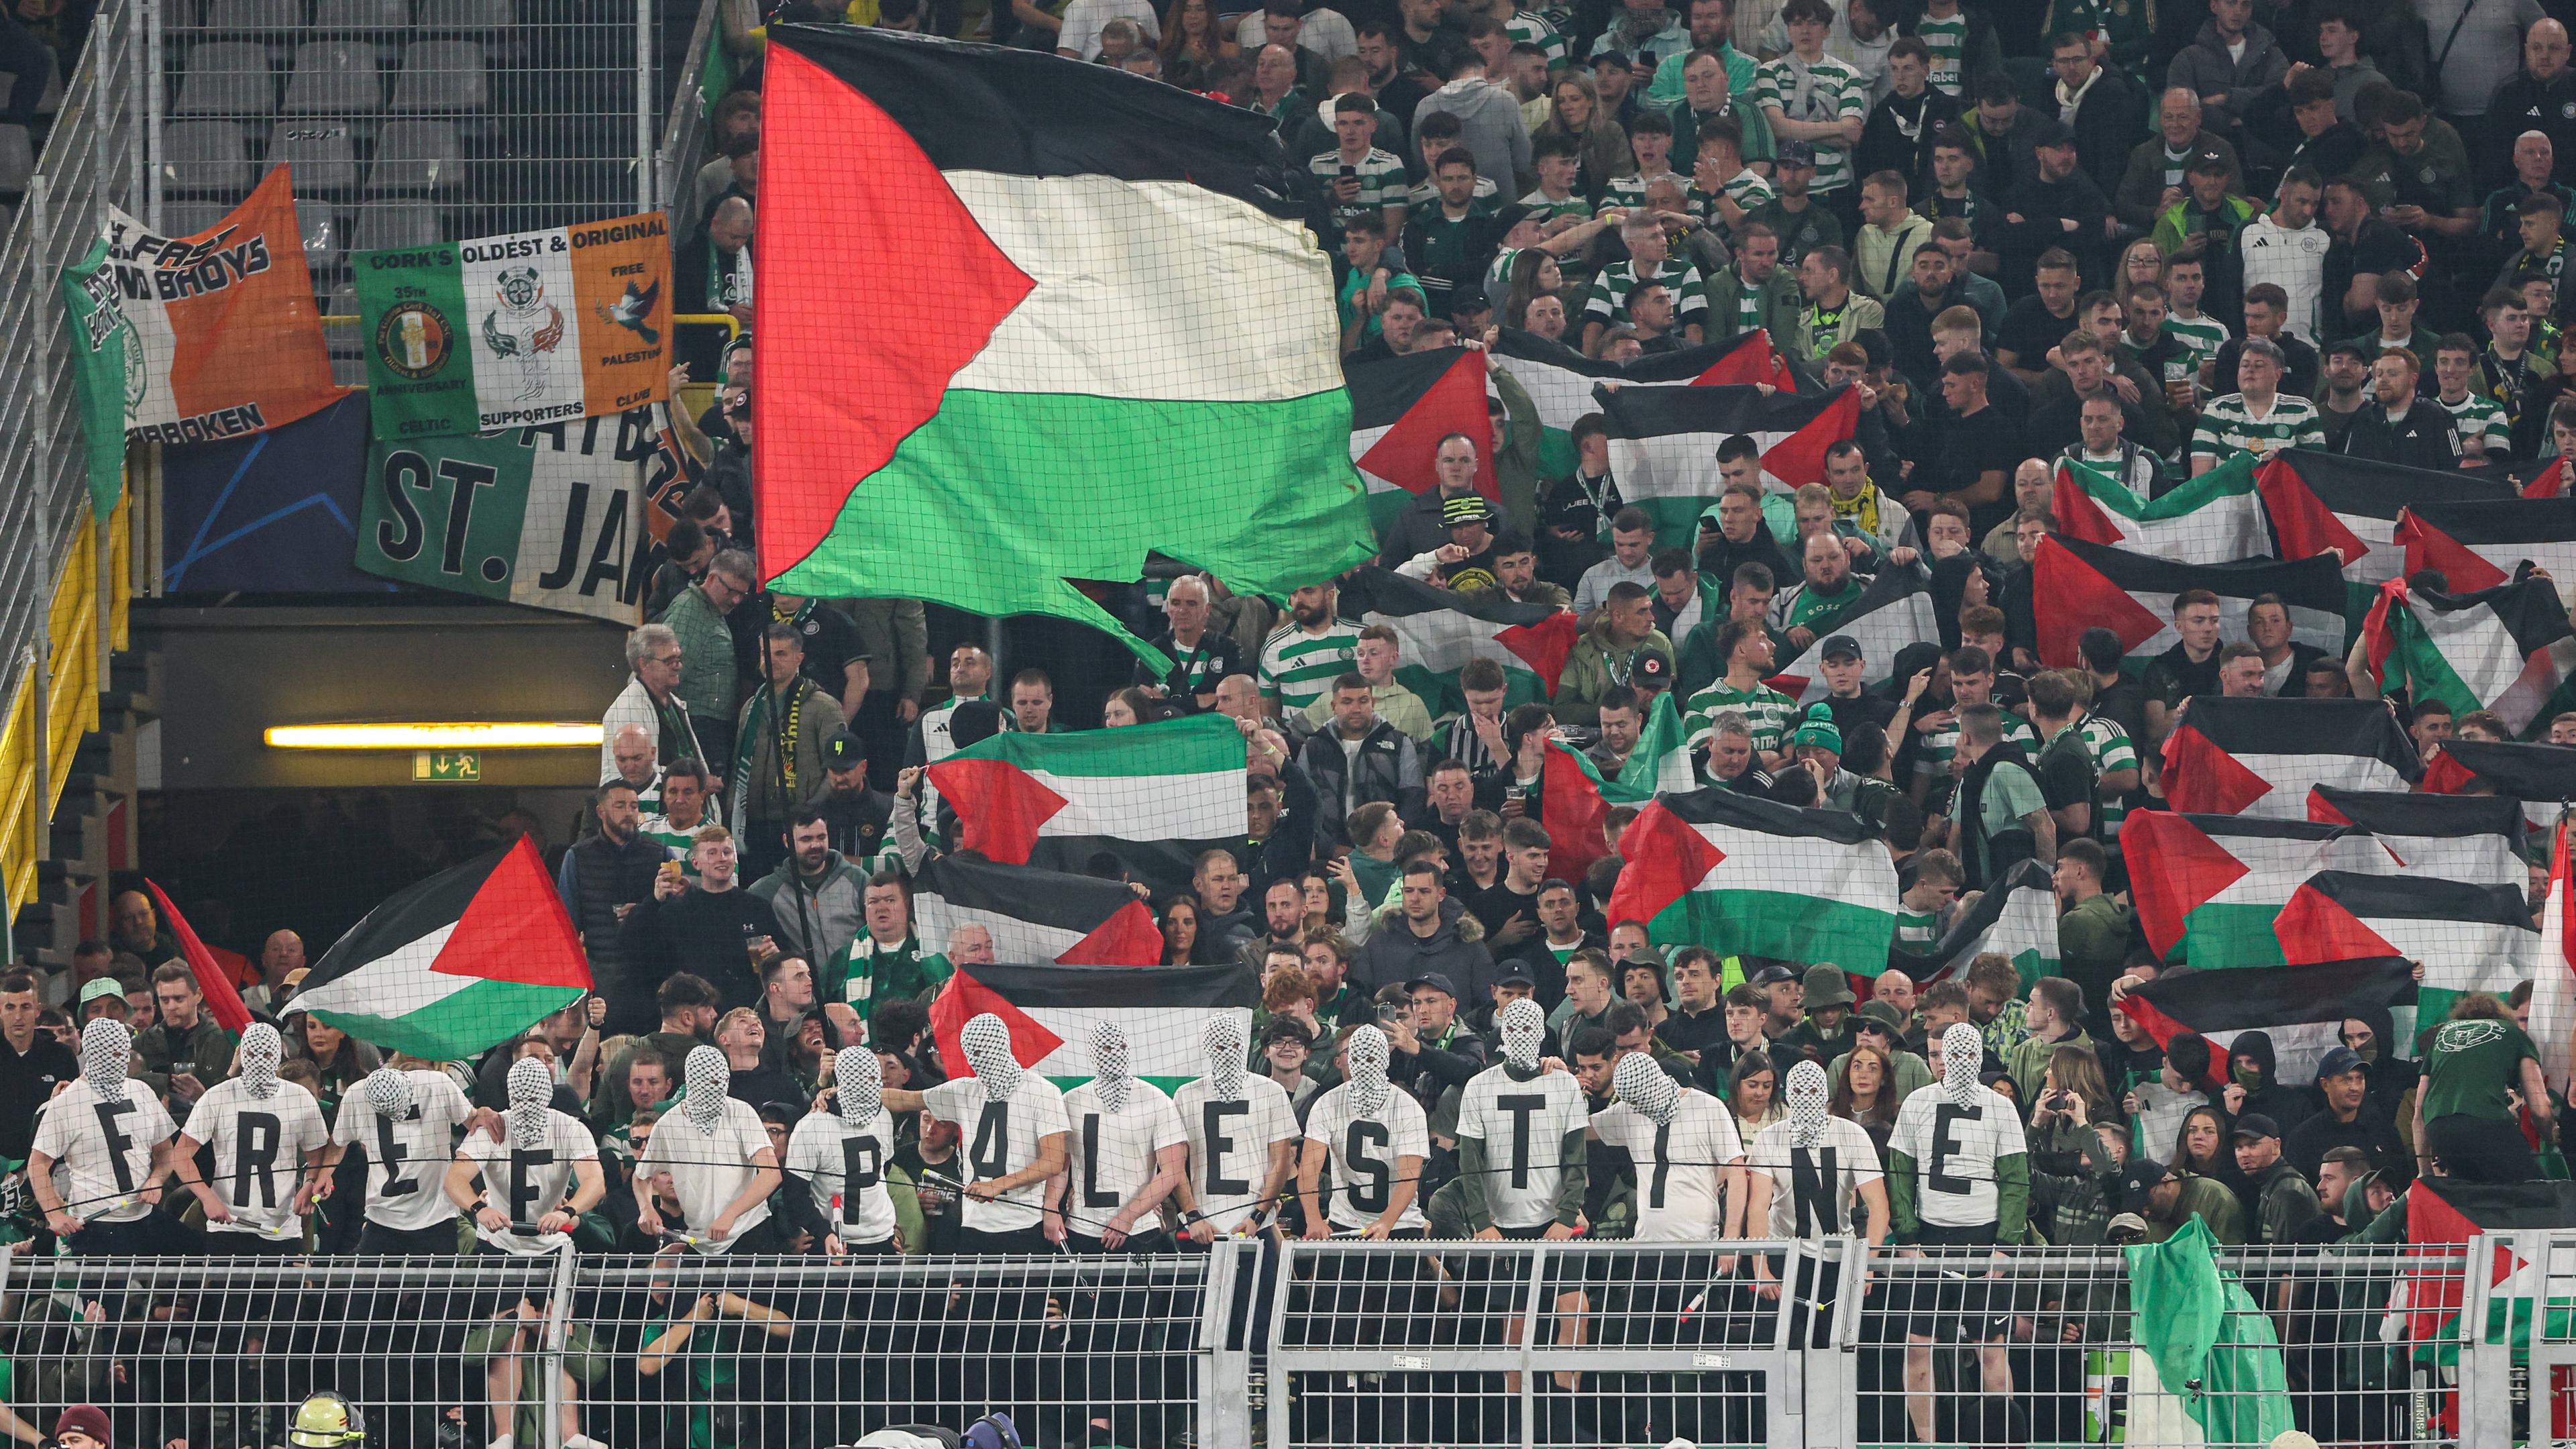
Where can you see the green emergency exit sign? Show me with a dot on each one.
(447, 767)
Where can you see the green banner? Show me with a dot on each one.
(411, 304)
(102, 350)
(549, 517)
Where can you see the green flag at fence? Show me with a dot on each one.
(100, 340)
(2202, 1328)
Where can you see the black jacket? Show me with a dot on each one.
(597, 876)
(2113, 113)
(701, 932)
(1889, 143)
(2425, 438)
(1388, 767)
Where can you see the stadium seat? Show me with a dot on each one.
(335, 78)
(396, 224)
(324, 158)
(187, 218)
(466, 17)
(324, 238)
(205, 158)
(415, 157)
(227, 78)
(440, 76)
(252, 19)
(17, 160)
(362, 17)
(51, 102)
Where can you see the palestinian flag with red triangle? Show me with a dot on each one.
(2481, 545)
(2443, 1214)
(2468, 937)
(1559, 380)
(2346, 509)
(2262, 756)
(2214, 518)
(1437, 631)
(1000, 353)
(1401, 408)
(2542, 777)
(2089, 585)
(1152, 796)
(2507, 649)
(1746, 876)
(1035, 914)
(455, 965)
(2301, 1008)
(1052, 1010)
(1664, 441)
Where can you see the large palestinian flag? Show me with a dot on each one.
(2212, 519)
(1576, 800)
(2457, 837)
(1664, 441)
(1034, 914)
(1152, 796)
(2480, 545)
(455, 965)
(2442, 1216)
(1052, 1010)
(969, 395)
(2208, 887)
(2301, 1007)
(2088, 585)
(1438, 631)
(2325, 503)
(2542, 777)
(2015, 918)
(2262, 756)
(1559, 380)
(2468, 937)
(2506, 649)
(1744, 876)
(1894, 610)
(1400, 410)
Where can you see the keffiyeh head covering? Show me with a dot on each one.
(1645, 1086)
(106, 1055)
(988, 1055)
(389, 1091)
(1809, 1099)
(1111, 1078)
(706, 1078)
(261, 1050)
(858, 1080)
(1226, 1049)
(1524, 1031)
(532, 1094)
(1963, 1052)
(1367, 1052)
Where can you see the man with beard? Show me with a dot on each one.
(816, 893)
(856, 815)
(601, 880)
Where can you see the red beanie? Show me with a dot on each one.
(87, 1419)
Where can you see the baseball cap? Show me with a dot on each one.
(2124, 1223)
(2254, 1125)
(103, 989)
(2138, 1178)
(2055, 133)
(1841, 646)
(1826, 986)
(1773, 975)
(2337, 1061)
(1512, 216)
(1651, 671)
(1466, 508)
(1436, 981)
(1515, 973)
(1793, 153)
(844, 750)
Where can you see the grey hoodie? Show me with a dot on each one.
(1489, 126)
(817, 920)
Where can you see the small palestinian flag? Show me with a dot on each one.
(1151, 795)
(1559, 379)
(1438, 631)
(2208, 887)
(2301, 1007)
(1035, 915)
(2542, 777)
(2468, 937)
(223, 1000)
(2547, 480)
(455, 965)
(1894, 610)
(1744, 876)
(2506, 649)
(2212, 519)
(2088, 585)
(2443, 1214)
(2482, 545)
(1400, 410)
(2262, 756)
(1052, 1010)
(1575, 800)
(2325, 503)
(2016, 918)
(1664, 441)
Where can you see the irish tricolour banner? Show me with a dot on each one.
(455, 965)
(223, 338)
(508, 331)
(1742, 875)
(1005, 335)
(1151, 796)
(1164, 1012)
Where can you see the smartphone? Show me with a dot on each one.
(1350, 173)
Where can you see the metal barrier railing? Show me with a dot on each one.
(1323, 1343)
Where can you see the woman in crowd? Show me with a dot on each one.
(1865, 1096)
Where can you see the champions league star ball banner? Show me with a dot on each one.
(516, 331)
(213, 335)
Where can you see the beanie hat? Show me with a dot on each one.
(1819, 729)
(87, 1419)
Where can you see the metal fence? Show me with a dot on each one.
(1328, 1343)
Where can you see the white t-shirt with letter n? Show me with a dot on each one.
(1815, 1191)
